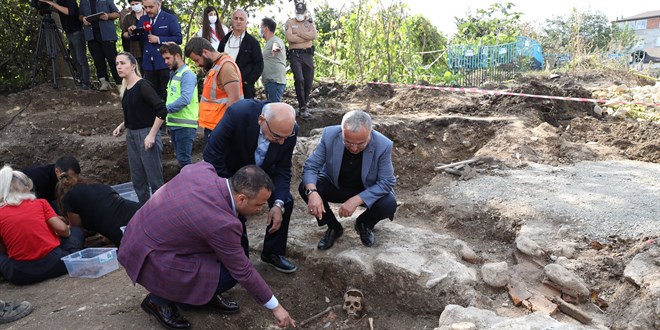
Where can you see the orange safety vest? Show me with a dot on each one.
(214, 99)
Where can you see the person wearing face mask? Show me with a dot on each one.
(300, 33)
(135, 43)
(212, 30)
(274, 75)
(245, 50)
(222, 85)
(160, 27)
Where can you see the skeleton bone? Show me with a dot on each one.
(316, 316)
(353, 303)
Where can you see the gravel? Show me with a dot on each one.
(596, 198)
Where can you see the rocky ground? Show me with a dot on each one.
(555, 222)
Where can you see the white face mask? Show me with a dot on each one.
(137, 8)
(300, 17)
(213, 19)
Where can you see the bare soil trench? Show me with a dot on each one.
(413, 272)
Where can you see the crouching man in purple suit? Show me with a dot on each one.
(184, 244)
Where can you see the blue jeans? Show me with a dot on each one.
(78, 49)
(274, 91)
(182, 141)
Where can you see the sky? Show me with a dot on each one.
(442, 13)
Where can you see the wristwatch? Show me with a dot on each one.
(279, 204)
(310, 191)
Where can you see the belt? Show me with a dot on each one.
(302, 51)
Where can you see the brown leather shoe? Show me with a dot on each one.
(222, 305)
(167, 315)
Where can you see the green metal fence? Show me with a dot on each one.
(474, 65)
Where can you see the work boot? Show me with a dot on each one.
(105, 85)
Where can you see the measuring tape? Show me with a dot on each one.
(504, 92)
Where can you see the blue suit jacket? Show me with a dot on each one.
(377, 169)
(108, 32)
(167, 28)
(234, 140)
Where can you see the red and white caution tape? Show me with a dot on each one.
(504, 92)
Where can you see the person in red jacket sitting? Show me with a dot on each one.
(32, 237)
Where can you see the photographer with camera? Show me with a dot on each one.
(101, 37)
(68, 11)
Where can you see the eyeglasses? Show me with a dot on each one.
(277, 136)
(356, 145)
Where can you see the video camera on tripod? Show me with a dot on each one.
(50, 43)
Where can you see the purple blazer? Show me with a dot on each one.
(175, 242)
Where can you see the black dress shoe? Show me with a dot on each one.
(366, 234)
(279, 262)
(329, 238)
(222, 305)
(167, 315)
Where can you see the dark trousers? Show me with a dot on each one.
(79, 55)
(383, 208)
(159, 79)
(225, 282)
(50, 266)
(249, 92)
(274, 243)
(102, 52)
(302, 66)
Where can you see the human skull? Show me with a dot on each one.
(353, 303)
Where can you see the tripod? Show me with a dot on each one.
(50, 41)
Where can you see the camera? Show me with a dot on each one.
(42, 7)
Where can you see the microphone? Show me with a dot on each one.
(147, 27)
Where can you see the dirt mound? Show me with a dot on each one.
(428, 128)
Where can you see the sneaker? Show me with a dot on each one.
(10, 312)
(85, 87)
(105, 85)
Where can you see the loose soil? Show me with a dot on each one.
(428, 128)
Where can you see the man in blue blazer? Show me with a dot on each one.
(352, 164)
(163, 27)
(261, 133)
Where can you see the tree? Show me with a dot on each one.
(19, 28)
(373, 40)
(497, 24)
(584, 32)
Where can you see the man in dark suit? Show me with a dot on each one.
(245, 50)
(164, 27)
(261, 133)
(352, 165)
(184, 244)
